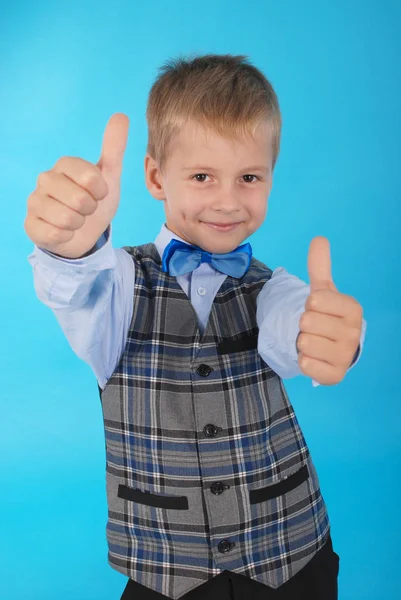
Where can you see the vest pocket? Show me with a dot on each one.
(172, 502)
(278, 489)
(229, 346)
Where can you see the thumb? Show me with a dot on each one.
(114, 144)
(319, 265)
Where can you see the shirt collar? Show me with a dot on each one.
(164, 237)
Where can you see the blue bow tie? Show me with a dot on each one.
(180, 258)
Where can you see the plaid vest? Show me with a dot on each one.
(207, 467)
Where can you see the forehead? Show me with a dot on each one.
(196, 142)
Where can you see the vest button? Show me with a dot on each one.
(211, 430)
(225, 546)
(204, 370)
(218, 488)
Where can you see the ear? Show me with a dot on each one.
(154, 178)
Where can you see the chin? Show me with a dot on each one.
(220, 248)
(221, 242)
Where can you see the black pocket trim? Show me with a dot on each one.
(282, 487)
(177, 502)
(248, 343)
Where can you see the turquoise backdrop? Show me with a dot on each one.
(65, 68)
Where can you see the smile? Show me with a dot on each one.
(222, 227)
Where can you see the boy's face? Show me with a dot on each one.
(215, 190)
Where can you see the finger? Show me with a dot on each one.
(58, 214)
(320, 371)
(83, 173)
(325, 325)
(319, 265)
(321, 348)
(60, 187)
(44, 233)
(336, 304)
(114, 144)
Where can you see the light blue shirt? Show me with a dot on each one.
(92, 299)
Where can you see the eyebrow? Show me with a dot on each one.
(205, 168)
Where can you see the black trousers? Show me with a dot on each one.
(316, 581)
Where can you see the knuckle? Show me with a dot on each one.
(359, 312)
(313, 299)
(27, 225)
(31, 202)
(81, 201)
(66, 219)
(303, 362)
(355, 335)
(89, 179)
(61, 161)
(356, 305)
(302, 341)
(55, 236)
(305, 321)
(43, 179)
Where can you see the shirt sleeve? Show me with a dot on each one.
(280, 305)
(92, 300)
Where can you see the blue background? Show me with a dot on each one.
(65, 69)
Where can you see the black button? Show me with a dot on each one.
(204, 370)
(218, 488)
(211, 430)
(225, 546)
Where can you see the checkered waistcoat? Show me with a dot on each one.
(207, 467)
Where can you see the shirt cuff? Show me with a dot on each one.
(91, 259)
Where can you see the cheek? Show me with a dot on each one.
(186, 211)
(258, 210)
(190, 208)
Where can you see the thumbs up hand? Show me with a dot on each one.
(76, 200)
(330, 327)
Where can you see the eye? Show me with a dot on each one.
(205, 175)
(201, 175)
(249, 175)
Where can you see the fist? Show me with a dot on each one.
(75, 201)
(330, 327)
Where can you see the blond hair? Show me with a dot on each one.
(220, 92)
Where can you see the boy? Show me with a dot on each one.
(210, 484)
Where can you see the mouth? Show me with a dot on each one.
(222, 226)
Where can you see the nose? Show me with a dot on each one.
(226, 201)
